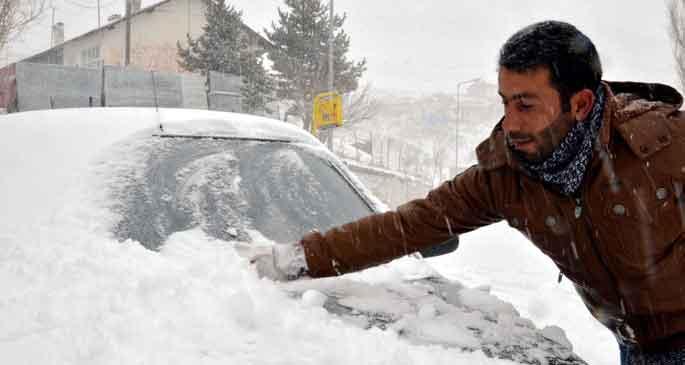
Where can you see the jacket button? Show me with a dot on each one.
(619, 209)
(661, 193)
(551, 221)
(578, 211)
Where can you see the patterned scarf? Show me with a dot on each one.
(565, 168)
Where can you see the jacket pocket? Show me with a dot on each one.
(643, 222)
(552, 232)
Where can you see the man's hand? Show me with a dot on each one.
(279, 262)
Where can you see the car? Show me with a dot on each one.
(180, 182)
(231, 179)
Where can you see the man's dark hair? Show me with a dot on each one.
(569, 55)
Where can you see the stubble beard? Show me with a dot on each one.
(546, 141)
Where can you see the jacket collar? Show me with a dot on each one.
(625, 111)
(640, 113)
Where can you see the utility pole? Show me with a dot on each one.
(52, 29)
(188, 17)
(127, 50)
(98, 13)
(331, 76)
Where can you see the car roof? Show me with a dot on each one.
(174, 122)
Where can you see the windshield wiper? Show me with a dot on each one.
(194, 136)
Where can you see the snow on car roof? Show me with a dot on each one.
(221, 124)
(174, 122)
(47, 151)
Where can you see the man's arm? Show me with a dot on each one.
(462, 204)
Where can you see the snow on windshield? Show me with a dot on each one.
(176, 184)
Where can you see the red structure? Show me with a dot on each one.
(8, 87)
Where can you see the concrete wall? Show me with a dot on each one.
(129, 87)
(224, 92)
(43, 86)
(194, 91)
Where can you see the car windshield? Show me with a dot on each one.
(233, 190)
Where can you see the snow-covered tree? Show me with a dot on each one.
(224, 47)
(257, 84)
(300, 55)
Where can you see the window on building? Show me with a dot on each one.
(90, 57)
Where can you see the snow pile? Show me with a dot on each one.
(73, 297)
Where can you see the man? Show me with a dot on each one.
(591, 172)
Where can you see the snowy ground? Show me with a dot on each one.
(73, 295)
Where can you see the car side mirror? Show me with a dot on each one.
(446, 247)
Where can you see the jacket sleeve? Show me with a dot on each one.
(459, 205)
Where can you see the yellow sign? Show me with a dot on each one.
(328, 111)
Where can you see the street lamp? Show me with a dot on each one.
(456, 125)
(331, 75)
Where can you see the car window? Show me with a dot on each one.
(232, 189)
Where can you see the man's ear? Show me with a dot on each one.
(581, 104)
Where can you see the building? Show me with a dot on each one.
(155, 30)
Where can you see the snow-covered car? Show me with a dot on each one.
(117, 246)
(235, 181)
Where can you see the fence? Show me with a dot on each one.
(224, 92)
(125, 87)
(52, 86)
(396, 171)
(390, 187)
(32, 86)
(386, 152)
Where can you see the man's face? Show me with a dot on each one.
(534, 123)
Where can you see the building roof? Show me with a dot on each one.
(263, 41)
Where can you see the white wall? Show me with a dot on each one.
(154, 34)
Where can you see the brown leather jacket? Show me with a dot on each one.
(621, 241)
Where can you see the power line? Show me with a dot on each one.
(87, 6)
(72, 2)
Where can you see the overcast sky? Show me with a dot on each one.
(429, 46)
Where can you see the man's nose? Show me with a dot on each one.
(512, 121)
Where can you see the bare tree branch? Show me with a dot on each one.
(16, 15)
(360, 105)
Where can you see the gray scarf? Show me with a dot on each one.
(565, 168)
